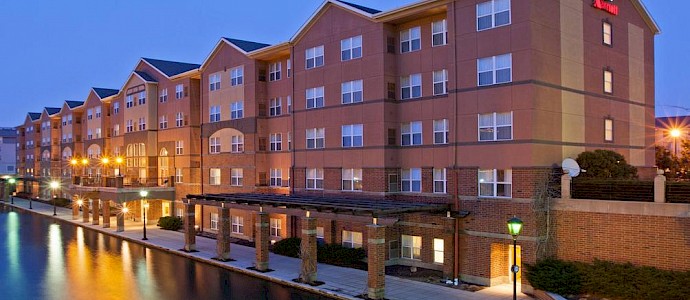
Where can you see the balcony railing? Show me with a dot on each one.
(122, 182)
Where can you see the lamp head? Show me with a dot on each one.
(54, 184)
(675, 132)
(515, 227)
(74, 162)
(118, 160)
(143, 194)
(80, 202)
(125, 209)
(105, 160)
(85, 161)
(12, 181)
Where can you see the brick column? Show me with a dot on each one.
(449, 248)
(120, 222)
(75, 211)
(262, 241)
(376, 261)
(85, 211)
(96, 204)
(566, 181)
(105, 207)
(189, 230)
(308, 251)
(223, 237)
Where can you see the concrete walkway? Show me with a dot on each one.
(344, 283)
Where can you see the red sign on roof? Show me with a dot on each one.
(606, 6)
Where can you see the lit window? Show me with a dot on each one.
(411, 134)
(411, 247)
(411, 180)
(440, 181)
(352, 179)
(441, 131)
(440, 82)
(352, 135)
(315, 179)
(608, 130)
(236, 76)
(236, 176)
(607, 32)
(237, 110)
(316, 138)
(352, 239)
(351, 92)
(493, 14)
(314, 57)
(214, 221)
(438, 251)
(608, 82)
(315, 97)
(351, 48)
(410, 40)
(411, 86)
(439, 33)
(214, 176)
(495, 69)
(275, 227)
(496, 126)
(495, 183)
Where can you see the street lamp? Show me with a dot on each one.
(11, 181)
(675, 134)
(53, 186)
(515, 228)
(143, 195)
(118, 162)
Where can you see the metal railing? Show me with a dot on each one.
(122, 181)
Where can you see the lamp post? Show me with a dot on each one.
(73, 163)
(515, 228)
(118, 162)
(143, 195)
(53, 186)
(675, 134)
(12, 181)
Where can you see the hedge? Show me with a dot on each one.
(170, 223)
(333, 254)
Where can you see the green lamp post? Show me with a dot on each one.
(515, 228)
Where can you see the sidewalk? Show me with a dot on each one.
(344, 283)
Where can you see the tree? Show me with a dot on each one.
(605, 164)
(667, 162)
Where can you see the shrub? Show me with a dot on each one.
(556, 276)
(62, 202)
(23, 195)
(330, 254)
(605, 164)
(288, 247)
(170, 223)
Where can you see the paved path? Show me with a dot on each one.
(341, 282)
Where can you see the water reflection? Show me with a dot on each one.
(55, 267)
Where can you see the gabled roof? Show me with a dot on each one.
(73, 104)
(145, 76)
(170, 68)
(34, 116)
(104, 93)
(246, 46)
(52, 110)
(360, 7)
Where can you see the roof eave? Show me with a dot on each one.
(186, 74)
(268, 51)
(406, 10)
(647, 17)
(318, 13)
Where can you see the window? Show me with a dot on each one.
(319, 234)
(163, 97)
(237, 224)
(608, 82)
(214, 145)
(316, 138)
(289, 104)
(440, 82)
(89, 135)
(289, 140)
(274, 71)
(214, 176)
(438, 251)
(214, 221)
(411, 246)
(179, 119)
(69, 117)
(314, 57)
(236, 176)
(142, 98)
(493, 14)
(163, 122)
(441, 131)
(276, 178)
(315, 97)
(495, 69)
(439, 33)
(98, 112)
(315, 179)
(275, 107)
(116, 129)
(495, 183)
(275, 227)
(116, 110)
(352, 135)
(89, 114)
(410, 40)
(412, 180)
(411, 134)
(237, 76)
(237, 110)
(440, 181)
(289, 67)
(237, 142)
(142, 124)
(214, 114)
(179, 91)
(351, 48)
(179, 147)
(352, 179)
(178, 176)
(496, 126)
(98, 133)
(214, 82)
(608, 130)
(351, 92)
(352, 239)
(276, 142)
(64, 122)
(411, 86)
(607, 33)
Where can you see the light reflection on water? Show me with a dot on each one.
(40, 259)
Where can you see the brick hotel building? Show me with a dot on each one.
(468, 106)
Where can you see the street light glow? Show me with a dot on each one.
(118, 160)
(54, 184)
(143, 194)
(675, 132)
(105, 160)
(85, 161)
(74, 161)
(11, 180)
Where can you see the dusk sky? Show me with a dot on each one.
(53, 51)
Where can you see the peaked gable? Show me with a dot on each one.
(170, 68)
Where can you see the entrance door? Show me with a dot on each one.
(166, 209)
(519, 263)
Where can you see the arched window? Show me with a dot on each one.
(163, 167)
(67, 153)
(45, 156)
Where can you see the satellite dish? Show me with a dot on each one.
(570, 165)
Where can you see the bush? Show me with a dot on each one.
(288, 247)
(62, 202)
(23, 195)
(330, 254)
(555, 276)
(170, 223)
(605, 164)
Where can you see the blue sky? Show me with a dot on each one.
(53, 51)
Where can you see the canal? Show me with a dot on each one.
(42, 259)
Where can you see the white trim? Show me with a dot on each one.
(314, 16)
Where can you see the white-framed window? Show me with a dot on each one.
(608, 82)
(214, 81)
(163, 122)
(411, 134)
(64, 122)
(351, 92)
(237, 76)
(411, 39)
(441, 131)
(214, 114)
(314, 57)
(276, 141)
(89, 135)
(289, 104)
(274, 71)
(116, 108)
(179, 91)
(315, 179)
(214, 145)
(440, 82)
(411, 247)
(352, 135)
(214, 221)
(352, 239)
(315, 97)
(69, 117)
(214, 176)
(495, 69)
(116, 129)
(440, 181)
(275, 106)
(142, 123)
(163, 96)
(494, 13)
(352, 179)
(496, 126)
(179, 147)
(236, 177)
(351, 48)
(237, 143)
(439, 33)
(276, 177)
(98, 112)
(316, 138)
(89, 116)
(289, 140)
(179, 178)
(438, 251)
(142, 97)
(495, 183)
(289, 67)
(607, 33)
(608, 130)
(237, 225)
(411, 86)
(179, 119)
(275, 227)
(237, 110)
(411, 180)
(98, 133)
